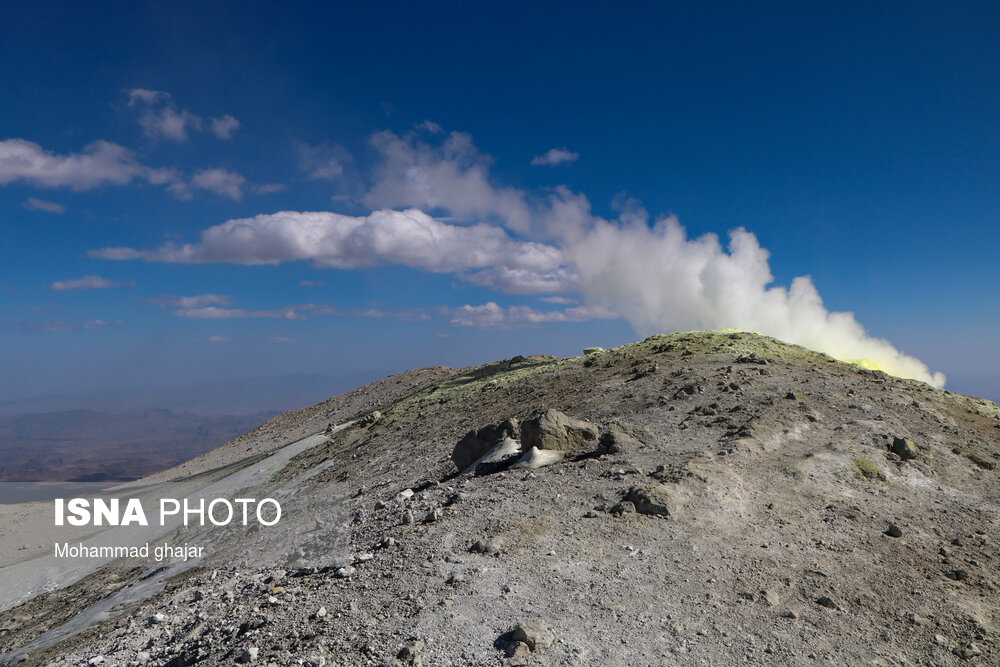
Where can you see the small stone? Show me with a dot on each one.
(344, 572)
(534, 633)
(320, 613)
(894, 531)
(516, 649)
(380, 505)
(624, 507)
(789, 614)
(770, 598)
(96, 660)
(648, 501)
(433, 516)
(157, 619)
(957, 574)
(827, 602)
(387, 543)
(142, 656)
(408, 519)
(405, 494)
(371, 419)
(455, 579)
(490, 546)
(913, 619)
(411, 652)
(968, 651)
(247, 655)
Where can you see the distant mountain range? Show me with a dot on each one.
(89, 446)
(232, 397)
(126, 434)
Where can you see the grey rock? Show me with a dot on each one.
(624, 507)
(534, 633)
(516, 649)
(904, 448)
(248, 655)
(490, 546)
(827, 602)
(551, 429)
(648, 500)
(410, 654)
(371, 419)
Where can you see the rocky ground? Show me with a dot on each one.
(711, 498)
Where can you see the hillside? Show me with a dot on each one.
(701, 498)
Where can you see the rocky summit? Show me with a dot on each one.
(705, 498)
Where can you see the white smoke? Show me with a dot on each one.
(662, 281)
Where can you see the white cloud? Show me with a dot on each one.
(493, 316)
(220, 181)
(561, 300)
(224, 127)
(269, 188)
(410, 314)
(169, 123)
(87, 282)
(482, 253)
(323, 161)
(219, 313)
(196, 301)
(220, 339)
(36, 204)
(146, 96)
(299, 312)
(100, 163)
(553, 157)
(162, 120)
(310, 283)
(453, 175)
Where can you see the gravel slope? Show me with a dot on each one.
(775, 526)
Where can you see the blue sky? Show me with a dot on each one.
(462, 183)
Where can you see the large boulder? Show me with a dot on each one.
(469, 449)
(551, 429)
(475, 444)
(622, 437)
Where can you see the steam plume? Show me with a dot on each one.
(661, 281)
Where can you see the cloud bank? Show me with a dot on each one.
(482, 253)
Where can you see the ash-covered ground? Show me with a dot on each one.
(709, 498)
